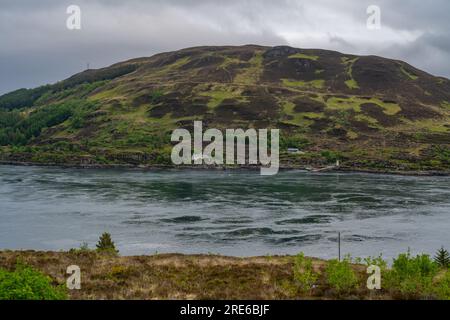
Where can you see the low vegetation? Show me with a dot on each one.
(304, 274)
(26, 283)
(340, 276)
(105, 275)
(303, 56)
(316, 84)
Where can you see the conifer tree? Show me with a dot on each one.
(442, 258)
(105, 244)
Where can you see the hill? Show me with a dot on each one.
(370, 112)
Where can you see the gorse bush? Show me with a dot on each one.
(304, 273)
(25, 283)
(156, 95)
(106, 245)
(340, 276)
(411, 276)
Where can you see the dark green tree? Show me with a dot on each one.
(442, 258)
(105, 244)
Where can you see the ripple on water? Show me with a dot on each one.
(233, 221)
(183, 219)
(295, 240)
(361, 238)
(247, 232)
(359, 199)
(313, 219)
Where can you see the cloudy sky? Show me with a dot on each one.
(37, 48)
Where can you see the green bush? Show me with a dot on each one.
(442, 153)
(304, 273)
(156, 95)
(25, 283)
(340, 276)
(376, 261)
(331, 156)
(83, 249)
(293, 141)
(412, 277)
(78, 120)
(94, 75)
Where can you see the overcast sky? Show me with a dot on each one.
(37, 48)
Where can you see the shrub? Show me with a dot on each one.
(376, 261)
(120, 272)
(340, 276)
(25, 283)
(83, 249)
(78, 120)
(105, 244)
(293, 141)
(442, 258)
(156, 96)
(304, 273)
(331, 156)
(412, 276)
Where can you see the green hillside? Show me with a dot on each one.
(370, 112)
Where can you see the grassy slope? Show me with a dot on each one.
(372, 113)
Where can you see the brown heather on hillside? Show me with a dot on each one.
(177, 276)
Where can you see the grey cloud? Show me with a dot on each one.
(36, 48)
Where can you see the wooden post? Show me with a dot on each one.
(339, 246)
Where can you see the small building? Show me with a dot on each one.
(294, 151)
(202, 157)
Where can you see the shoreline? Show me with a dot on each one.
(224, 168)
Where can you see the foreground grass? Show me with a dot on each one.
(176, 276)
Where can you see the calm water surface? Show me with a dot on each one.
(228, 212)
